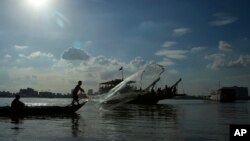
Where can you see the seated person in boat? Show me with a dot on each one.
(17, 104)
(75, 92)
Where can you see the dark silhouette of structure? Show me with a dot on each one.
(29, 92)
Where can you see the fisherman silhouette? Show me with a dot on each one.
(75, 92)
(16, 104)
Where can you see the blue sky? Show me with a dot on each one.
(52, 46)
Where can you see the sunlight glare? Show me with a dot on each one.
(38, 4)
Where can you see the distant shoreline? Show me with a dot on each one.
(35, 97)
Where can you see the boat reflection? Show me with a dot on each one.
(134, 119)
(75, 125)
(133, 112)
(71, 122)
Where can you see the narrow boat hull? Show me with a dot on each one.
(150, 98)
(40, 110)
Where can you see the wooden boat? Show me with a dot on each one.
(148, 96)
(40, 110)
(151, 98)
(104, 87)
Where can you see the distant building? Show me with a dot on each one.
(46, 94)
(227, 94)
(224, 95)
(90, 91)
(29, 92)
(241, 92)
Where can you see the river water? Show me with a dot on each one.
(170, 120)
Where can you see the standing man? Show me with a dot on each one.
(75, 92)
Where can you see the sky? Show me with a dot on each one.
(49, 45)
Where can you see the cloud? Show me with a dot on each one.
(181, 31)
(102, 60)
(36, 55)
(35, 60)
(7, 56)
(168, 44)
(137, 62)
(75, 54)
(18, 47)
(146, 25)
(166, 62)
(218, 61)
(223, 19)
(97, 69)
(242, 61)
(224, 46)
(6, 60)
(174, 54)
(108, 67)
(214, 56)
(197, 49)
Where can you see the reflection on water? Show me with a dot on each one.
(231, 112)
(171, 120)
(139, 121)
(75, 125)
(16, 120)
(37, 104)
(74, 118)
(133, 111)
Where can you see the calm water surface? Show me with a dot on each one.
(169, 120)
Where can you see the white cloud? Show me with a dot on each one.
(181, 31)
(214, 56)
(223, 19)
(197, 49)
(40, 54)
(242, 61)
(6, 60)
(224, 46)
(36, 55)
(168, 44)
(108, 68)
(174, 54)
(18, 47)
(102, 60)
(62, 64)
(22, 55)
(64, 74)
(218, 61)
(75, 54)
(166, 62)
(137, 62)
(38, 68)
(7, 56)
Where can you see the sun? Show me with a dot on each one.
(38, 4)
